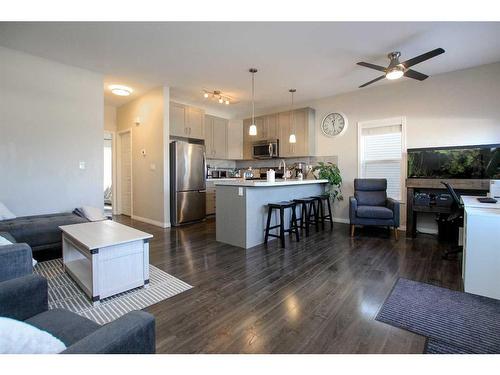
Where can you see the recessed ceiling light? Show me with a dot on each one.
(121, 90)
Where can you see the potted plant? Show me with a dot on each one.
(329, 171)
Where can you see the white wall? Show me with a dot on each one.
(51, 119)
(109, 118)
(150, 172)
(458, 108)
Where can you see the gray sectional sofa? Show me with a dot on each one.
(24, 296)
(40, 232)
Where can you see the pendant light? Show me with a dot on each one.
(293, 138)
(252, 130)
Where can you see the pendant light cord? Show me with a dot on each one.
(253, 98)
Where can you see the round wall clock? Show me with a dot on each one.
(334, 124)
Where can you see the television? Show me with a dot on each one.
(464, 162)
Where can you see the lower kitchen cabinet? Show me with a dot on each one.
(210, 198)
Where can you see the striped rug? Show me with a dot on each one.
(64, 293)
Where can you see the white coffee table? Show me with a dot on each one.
(106, 258)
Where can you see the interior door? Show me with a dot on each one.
(125, 174)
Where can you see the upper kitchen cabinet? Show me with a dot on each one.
(235, 140)
(279, 126)
(302, 125)
(186, 121)
(216, 137)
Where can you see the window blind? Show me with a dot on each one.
(381, 157)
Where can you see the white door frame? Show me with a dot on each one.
(118, 175)
(113, 169)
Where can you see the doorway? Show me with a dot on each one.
(109, 171)
(124, 169)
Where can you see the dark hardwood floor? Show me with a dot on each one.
(320, 295)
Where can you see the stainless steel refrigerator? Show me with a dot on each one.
(187, 182)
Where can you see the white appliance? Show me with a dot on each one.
(495, 189)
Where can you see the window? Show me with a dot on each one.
(380, 153)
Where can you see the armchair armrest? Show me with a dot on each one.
(133, 333)
(23, 297)
(393, 205)
(353, 206)
(15, 261)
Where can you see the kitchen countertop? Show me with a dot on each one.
(264, 183)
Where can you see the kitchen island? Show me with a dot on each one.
(241, 210)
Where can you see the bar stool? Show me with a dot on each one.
(308, 209)
(281, 206)
(322, 217)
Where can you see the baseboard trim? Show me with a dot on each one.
(151, 221)
(340, 220)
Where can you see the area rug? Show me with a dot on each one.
(66, 294)
(453, 322)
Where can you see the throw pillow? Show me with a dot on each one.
(5, 213)
(18, 337)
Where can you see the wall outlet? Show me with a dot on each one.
(240, 191)
(82, 165)
(152, 166)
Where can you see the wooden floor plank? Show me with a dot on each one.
(319, 295)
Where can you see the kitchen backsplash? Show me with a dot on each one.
(221, 164)
(274, 163)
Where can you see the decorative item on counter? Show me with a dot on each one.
(329, 171)
(270, 175)
(300, 176)
(248, 174)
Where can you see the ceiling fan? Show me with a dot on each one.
(398, 69)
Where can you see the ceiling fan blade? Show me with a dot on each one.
(423, 57)
(415, 75)
(372, 81)
(372, 66)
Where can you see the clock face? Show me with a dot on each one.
(334, 124)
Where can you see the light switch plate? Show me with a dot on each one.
(152, 166)
(240, 191)
(81, 165)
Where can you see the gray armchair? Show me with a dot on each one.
(25, 298)
(371, 206)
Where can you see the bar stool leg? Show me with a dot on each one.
(321, 213)
(269, 214)
(307, 213)
(330, 212)
(294, 224)
(282, 227)
(315, 213)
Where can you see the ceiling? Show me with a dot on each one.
(317, 58)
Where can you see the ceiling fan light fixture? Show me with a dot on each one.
(395, 73)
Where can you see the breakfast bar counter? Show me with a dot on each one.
(241, 210)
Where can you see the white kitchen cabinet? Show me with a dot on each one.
(186, 121)
(235, 140)
(216, 140)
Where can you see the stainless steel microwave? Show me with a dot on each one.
(266, 149)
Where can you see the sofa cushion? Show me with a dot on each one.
(18, 337)
(371, 198)
(40, 229)
(374, 212)
(63, 324)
